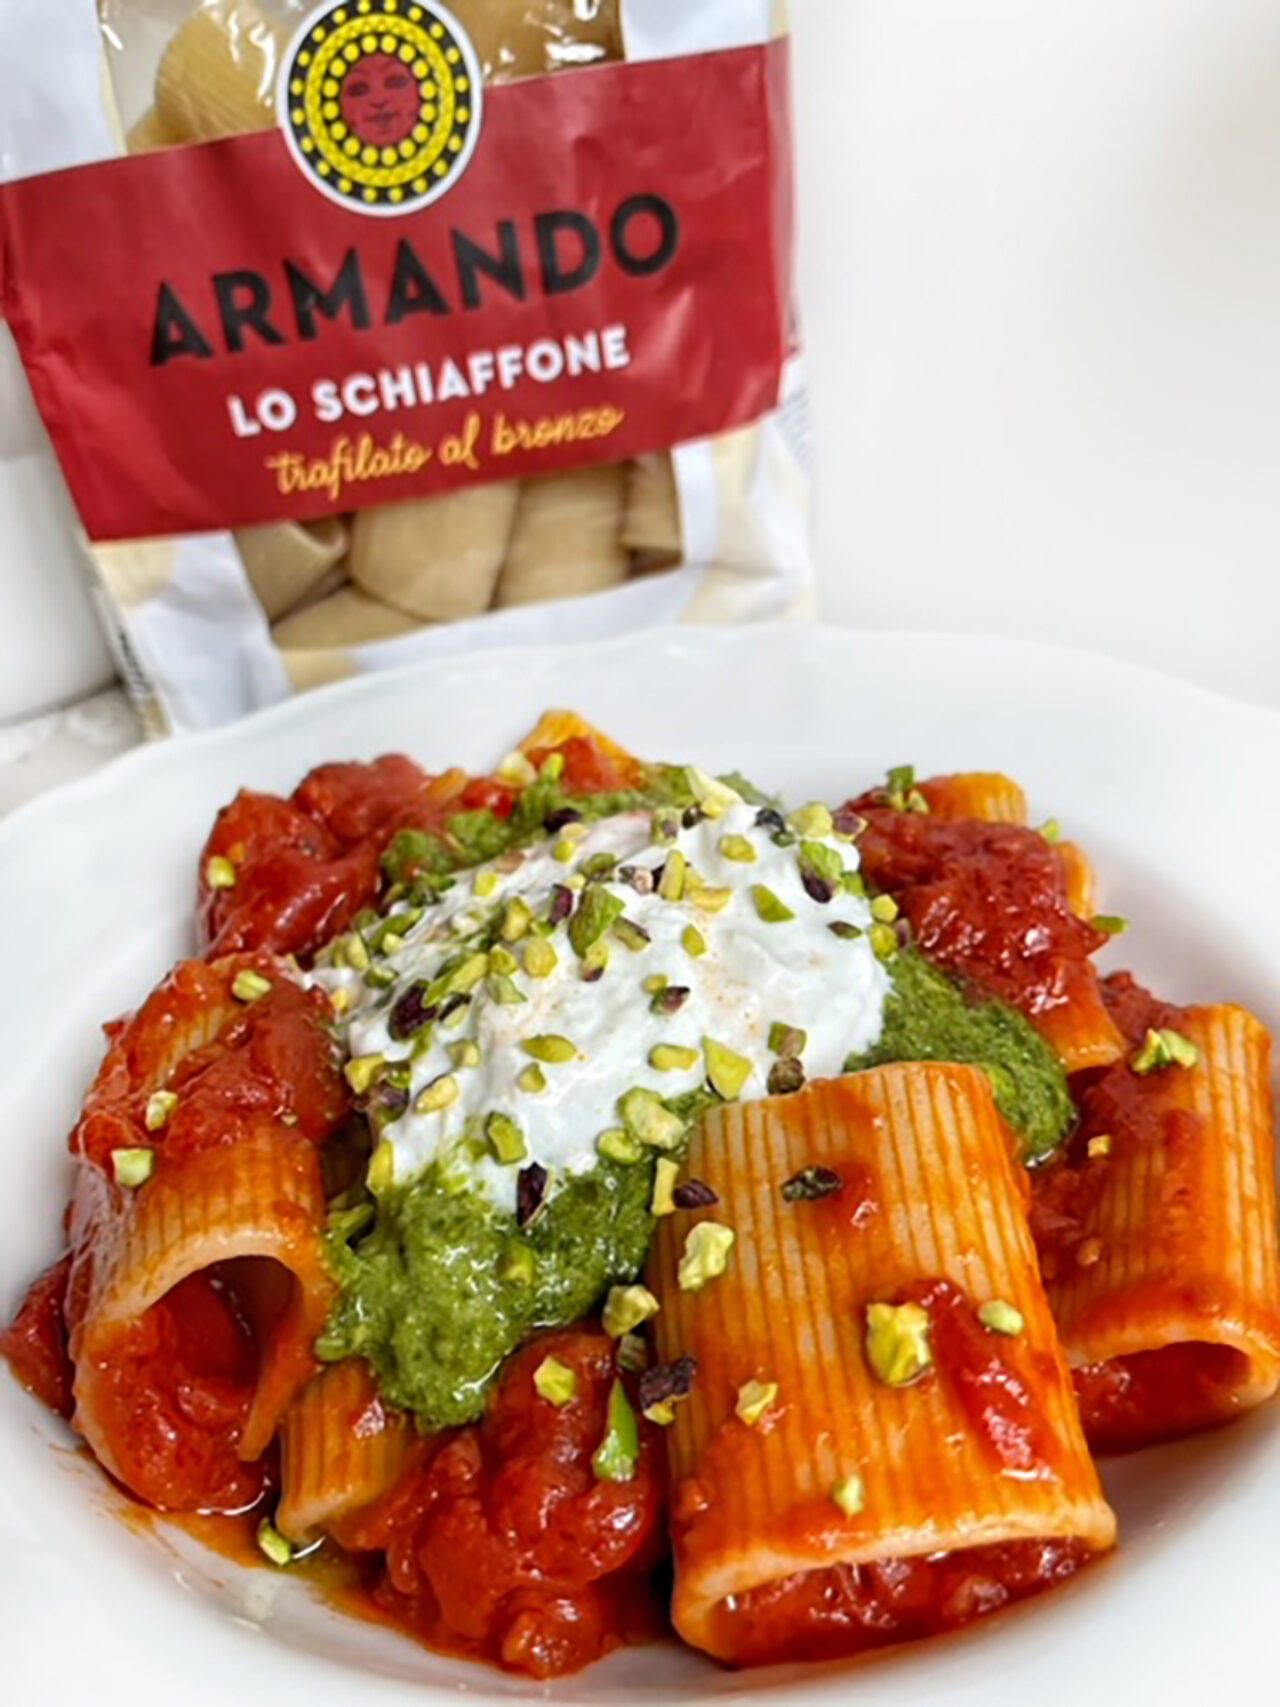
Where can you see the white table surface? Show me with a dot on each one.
(1040, 264)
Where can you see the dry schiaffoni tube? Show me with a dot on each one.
(403, 328)
(628, 1223)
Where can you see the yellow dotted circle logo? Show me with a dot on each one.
(381, 102)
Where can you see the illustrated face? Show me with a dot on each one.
(380, 100)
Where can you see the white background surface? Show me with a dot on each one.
(1041, 263)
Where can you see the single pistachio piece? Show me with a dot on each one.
(673, 1058)
(1164, 1048)
(563, 851)
(663, 1413)
(617, 1145)
(632, 1354)
(665, 1175)
(655, 984)
(670, 999)
(598, 866)
(769, 907)
(884, 940)
(614, 1460)
(555, 1382)
(355, 952)
(693, 942)
(249, 986)
(272, 1545)
(551, 1048)
(884, 909)
(597, 911)
(726, 1071)
(464, 1053)
(706, 1255)
(664, 827)
(219, 873)
(451, 1017)
(380, 978)
(787, 1039)
(519, 1266)
(916, 802)
(740, 849)
(1099, 1146)
(506, 1140)
(340, 1001)
(853, 883)
(517, 919)
(1001, 1318)
(381, 1172)
(754, 1399)
(1051, 830)
(815, 819)
(712, 795)
(540, 958)
(850, 1495)
(361, 1071)
(897, 1342)
(553, 767)
(843, 929)
(671, 883)
(786, 1076)
(1110, 924)
(467, 974)
(160, 1107)
(708, 899)
(531, 1079)
(647, 1118)
(486, 883)
(632, 935)
(516, 771)
(502, 960)
(132, 1168)
(440, 1094)
(595, 963)
(504, 990)
(626, 1308)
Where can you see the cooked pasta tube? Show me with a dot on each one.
(1161, 1261)
(529, 38)
(988, 795)
(1082, 884)
(567, 537)
(287, 562)
(436, 558)
(881, 1437)
(217, 76)
(651, 521)
(198, 1280)
(342, 1449)
(346, 618)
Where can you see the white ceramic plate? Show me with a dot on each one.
(1172, 790)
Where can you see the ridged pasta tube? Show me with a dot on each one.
(346, 618)
(568, 537)
(651, 525)
(287, 562)
(436, 558)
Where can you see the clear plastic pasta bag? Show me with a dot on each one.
(374, 330)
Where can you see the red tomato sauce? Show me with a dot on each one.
(1135, 1401)
(505, 1546)
(849, 1609)
(985, 902)
(982, 1370)
(35, 1344)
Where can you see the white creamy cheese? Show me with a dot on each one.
(753, 974)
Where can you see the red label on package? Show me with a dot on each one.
(245, 331)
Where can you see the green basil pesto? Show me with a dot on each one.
(927, 1017)
(445, 1286)
(472, 838)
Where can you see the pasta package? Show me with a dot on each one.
(402, 327)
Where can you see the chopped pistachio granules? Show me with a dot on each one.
(1161, 1049)
(555, 1382)
(706, 1255)
(133, 1167)
(250, 986)
(627, 1308)
(665, 1175)
(897, 1342)
(272, 1545)
(850, 1495)
(755, 1399)
(160, 1109)
(1001, 1318)
(219, 873)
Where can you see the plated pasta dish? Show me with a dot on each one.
(598, 1202)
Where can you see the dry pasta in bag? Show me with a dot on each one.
(398, 327)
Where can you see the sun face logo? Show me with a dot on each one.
(381, 102)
